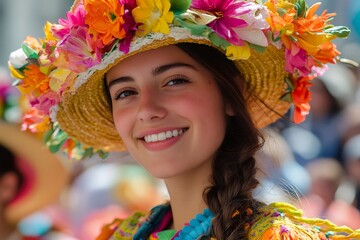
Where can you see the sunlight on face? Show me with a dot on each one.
(168, 110)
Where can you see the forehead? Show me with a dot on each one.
(150, 59)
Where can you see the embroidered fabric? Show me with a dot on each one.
(197, 228)
(275, 222)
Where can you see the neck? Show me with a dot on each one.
(186, 194)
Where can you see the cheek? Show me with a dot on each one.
(207, 110)
(123, 122)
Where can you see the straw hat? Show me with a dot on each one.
(44, 175)
(70, 64)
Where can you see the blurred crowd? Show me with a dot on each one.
(315, 165)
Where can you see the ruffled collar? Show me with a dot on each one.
(160, 219)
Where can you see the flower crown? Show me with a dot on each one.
(49, 68)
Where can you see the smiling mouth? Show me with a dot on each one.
(162, 136)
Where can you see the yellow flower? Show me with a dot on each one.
(153, 15)
(48, 33)
(238, 52)
(15, 73)
(57, 78)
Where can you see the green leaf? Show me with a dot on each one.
(287, 97)
(198, 30)
(179, 7)
(258, 48)
(103, 154)
(55, 147)
(281, 11)
(48, 135)
(29, 52)
(339, 31)
(290, 84)
(88, 153)
(301, 8)
(218, 41)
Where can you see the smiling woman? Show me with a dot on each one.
(185, 87)
(167, 95)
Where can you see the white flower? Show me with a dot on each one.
(18, 58)
(256, 20)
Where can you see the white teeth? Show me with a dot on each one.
(168, 134)
(163, 135)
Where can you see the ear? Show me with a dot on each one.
(8, 187)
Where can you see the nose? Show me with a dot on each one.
(151, 107)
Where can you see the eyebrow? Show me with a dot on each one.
(157, 71)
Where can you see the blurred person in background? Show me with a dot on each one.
(351, 154)
(281, 176)
(31, 177)
(322, 200)
(351, 53)
(107, 188)
(320, 134)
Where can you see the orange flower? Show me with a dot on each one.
(68, 147)
(34, 82)
(105, 17)
(312, 22)
(301, 98)
(269, 234)
(327, 53)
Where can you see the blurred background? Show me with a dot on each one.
(315, 165)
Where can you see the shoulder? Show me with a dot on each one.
(283, 221)
(136, 226)
(124, 228)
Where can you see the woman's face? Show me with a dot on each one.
(168, 110)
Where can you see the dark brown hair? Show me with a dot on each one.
(233, 175)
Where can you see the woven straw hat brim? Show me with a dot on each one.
(50, 175)
(86, 114)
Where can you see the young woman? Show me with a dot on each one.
(185, 87)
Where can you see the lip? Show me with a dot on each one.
(161, 145)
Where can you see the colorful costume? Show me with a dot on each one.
(275, 221)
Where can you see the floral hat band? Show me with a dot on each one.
(279, 46)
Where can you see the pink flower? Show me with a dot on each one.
(81, 50)
(73, 19)
(298, 60)
(237, 21)
(44, 102)
(129, 26)
(35, 121)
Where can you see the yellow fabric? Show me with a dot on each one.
(280, 221)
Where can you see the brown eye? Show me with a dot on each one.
(125, 94)
(177, 81)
